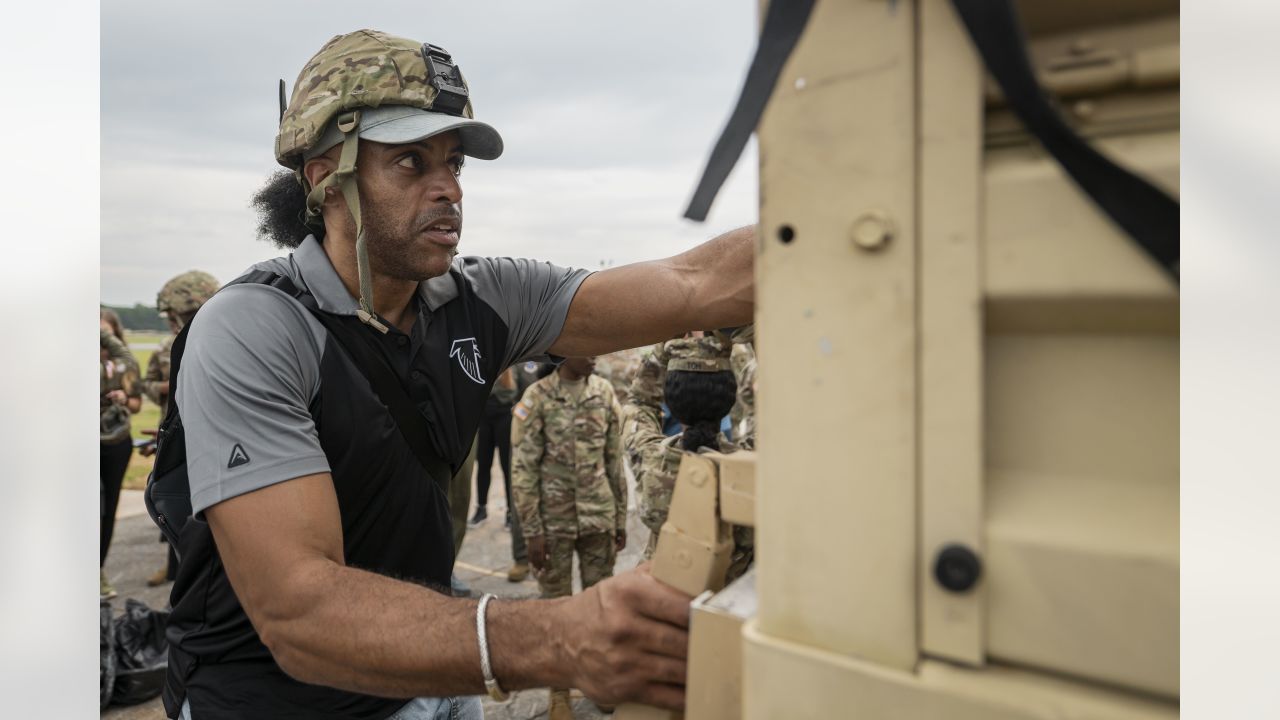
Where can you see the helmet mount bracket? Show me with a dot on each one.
(444, 76)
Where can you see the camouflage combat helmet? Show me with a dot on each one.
(709, 353)
(368, 84)
(185, 293)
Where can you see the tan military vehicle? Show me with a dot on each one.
(966, 485)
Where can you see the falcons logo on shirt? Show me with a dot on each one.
(468, 354)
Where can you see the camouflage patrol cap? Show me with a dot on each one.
(405, 90)
(703, 354)
(185, 293)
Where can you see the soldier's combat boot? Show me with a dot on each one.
(519, 571)
(560, 708)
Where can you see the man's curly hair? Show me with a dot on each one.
(281, 203)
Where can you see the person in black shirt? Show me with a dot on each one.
(314, 575)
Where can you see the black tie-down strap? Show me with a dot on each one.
(388, 387)
(783, 25)
(1145, 212)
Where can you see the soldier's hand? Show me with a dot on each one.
(628, 638)
(619, 540)
(537, 545)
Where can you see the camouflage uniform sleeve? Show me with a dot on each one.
(646, 387)
(115, 349)
(643, 438)
(125, 363)
(158, 373)
(526, 459)
(747, 399)
(642, 416)
(613, 462)
(131, 382)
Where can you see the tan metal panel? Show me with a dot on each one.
(714, 691)
(1082, 542)
(951, 624)
(1126, 113)
(1043, 237)
(1042, 17)
(837, 338)
(790, 680)
(738, 488)
(1101, 59)
(694, 544)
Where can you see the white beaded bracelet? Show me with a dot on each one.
(490, 683)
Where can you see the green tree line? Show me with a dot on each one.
(140, 317)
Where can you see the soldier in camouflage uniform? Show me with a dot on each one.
(655, 457)
(619, 368)
(118, 397)
(743, 416)
(178, 301)
(568, 483)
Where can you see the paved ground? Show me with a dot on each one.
(136, 553)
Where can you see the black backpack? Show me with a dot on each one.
(168, 493)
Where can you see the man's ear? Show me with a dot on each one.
(318, 168)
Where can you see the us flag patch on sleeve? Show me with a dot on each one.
(520, 410)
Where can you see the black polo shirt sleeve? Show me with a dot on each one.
(249, 373)
(532, 299)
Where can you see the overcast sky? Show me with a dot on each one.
(608, 111)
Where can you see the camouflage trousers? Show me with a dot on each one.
(595, 559)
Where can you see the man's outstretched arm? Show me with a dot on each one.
(710, 286)
(329, 624)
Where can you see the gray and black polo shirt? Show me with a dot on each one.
(266, 395)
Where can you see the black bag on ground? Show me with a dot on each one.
(142, 653)
(106, 655)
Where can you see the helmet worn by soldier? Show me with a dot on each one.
(701, 354)
(373, 86)
(185, 293)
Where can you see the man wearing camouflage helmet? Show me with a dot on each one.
(178, 302)
(315, 566)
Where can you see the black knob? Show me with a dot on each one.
(957, 568)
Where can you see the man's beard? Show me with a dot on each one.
(391, 244)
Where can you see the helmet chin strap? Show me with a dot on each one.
(345, 178)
